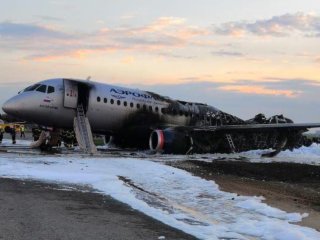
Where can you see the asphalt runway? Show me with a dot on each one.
(32, 210)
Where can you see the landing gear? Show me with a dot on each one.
(45, 139)
(68, 138)
(109, 140)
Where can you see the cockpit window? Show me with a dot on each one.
(50, 89)
(42, 88)
(31, 88)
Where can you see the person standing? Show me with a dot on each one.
(22, 131)
(13, 134)
(1, 133)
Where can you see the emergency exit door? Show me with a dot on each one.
(70, 94)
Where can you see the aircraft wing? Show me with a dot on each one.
(229, 138)
(257, 127)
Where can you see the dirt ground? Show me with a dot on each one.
(287, 186)
(32, 210)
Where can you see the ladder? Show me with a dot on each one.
(83, 132)
(231, 144)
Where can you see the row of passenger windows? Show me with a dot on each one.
(40, 88)
(131, 104)
(156, 109)
(145, 108)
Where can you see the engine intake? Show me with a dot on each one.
(170, 141)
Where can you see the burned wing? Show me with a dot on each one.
(229, 138)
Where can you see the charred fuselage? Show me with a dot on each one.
(142, 120)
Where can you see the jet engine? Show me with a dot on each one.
(170, 141)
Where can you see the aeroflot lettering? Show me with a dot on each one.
(135, 94)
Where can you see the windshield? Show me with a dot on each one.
(31, 88)
(40, 88)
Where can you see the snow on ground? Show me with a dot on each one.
(304, 155)
(19, 142)
(175, 197)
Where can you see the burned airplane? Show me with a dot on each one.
(140, 119)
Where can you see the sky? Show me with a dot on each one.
(243, 56)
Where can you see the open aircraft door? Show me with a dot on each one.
(70, 93)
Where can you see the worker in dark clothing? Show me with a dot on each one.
(13, 135)
(1, 134)
(36, 133)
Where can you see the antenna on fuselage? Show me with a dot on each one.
(88, 78)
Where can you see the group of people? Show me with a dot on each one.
(68, 137)
(12, 130)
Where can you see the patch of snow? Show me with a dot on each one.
(252, 204)
(175, 197)
(19, 142)
(305, 155)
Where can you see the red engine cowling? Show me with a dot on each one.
(170, 141)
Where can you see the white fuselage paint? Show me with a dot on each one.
(52, 109)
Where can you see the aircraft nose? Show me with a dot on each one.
(10, 107)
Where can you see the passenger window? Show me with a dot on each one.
(98, 99)
(131, 104)
(138, 105)
(118, 102)
(125, 103)
(156, 109)
(42, 88)
(50, 89)
(112, 101)
(105, 100)
(150, 108)
(163, 111)
(144, 107)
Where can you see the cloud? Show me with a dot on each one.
(277, 26)
(24, 30)
(163, 23)
(265, 96)
(286, 87)
(285, 83)
(76, 52)
(127, 17)
(128, 60)
(162, 34)
(269, 86)
(42, 58)
(177, 56)
(259, 90)
(49, 18)
(227, 53)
